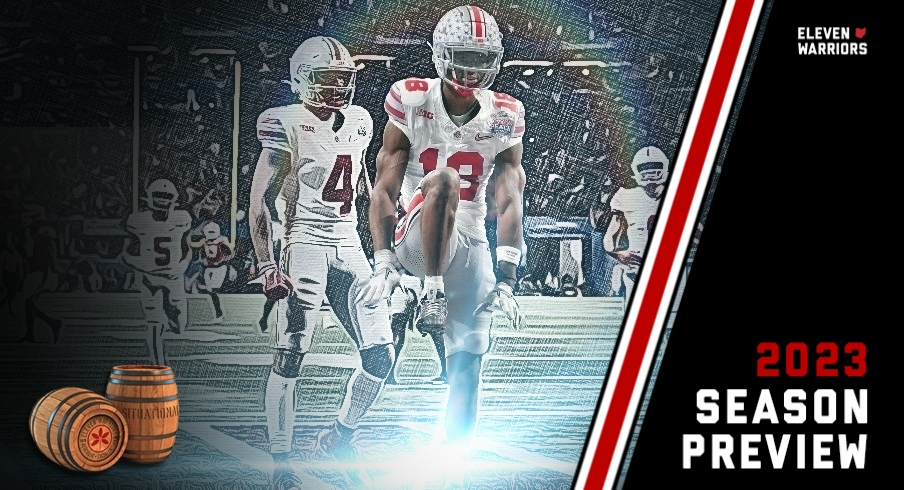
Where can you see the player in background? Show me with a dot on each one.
(42, 273)
(158, 248)
(633, 216)
(215, 253)
(446, 137)
(310, 153)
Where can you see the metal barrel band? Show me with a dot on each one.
(142, 372)
(129, 399)
(118, 381)
(66, 451)
(34, 413)
(150, 438)
(149, 451)
(50, 423)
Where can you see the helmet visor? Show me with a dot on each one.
(332, 87)
(470, 67)
(162, 199)
(650, 171)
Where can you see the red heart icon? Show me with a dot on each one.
(860, 32)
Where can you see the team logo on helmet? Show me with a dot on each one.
(161, 195)
(467, 49)
(322, 73)
(650, 166)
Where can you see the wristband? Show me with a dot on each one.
(508, 254)
(386, 257)
(264, 266)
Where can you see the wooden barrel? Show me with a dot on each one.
(78, 429)
(147, 398)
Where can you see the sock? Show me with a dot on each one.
(215, 299)
(433, 285)
(363, 389)
(279, 405)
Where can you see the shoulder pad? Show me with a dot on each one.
(180, 216)
(272, 115)
(412, 91)
(358, 113)
(270, 129)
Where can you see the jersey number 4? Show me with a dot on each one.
(332, 192)
(468, 164)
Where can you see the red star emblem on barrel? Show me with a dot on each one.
(99, 438)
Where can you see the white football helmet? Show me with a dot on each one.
(467, 49)
(211, 231)
(161, 195)
(650, 166)
(322, 73)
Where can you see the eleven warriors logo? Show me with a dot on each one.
(99, 438)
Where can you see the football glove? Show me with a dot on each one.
(277, 285)
(502, 298)
(383, 281)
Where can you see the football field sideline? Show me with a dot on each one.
(539, 389)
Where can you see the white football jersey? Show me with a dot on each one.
(415, 106)
(317, 201)
(162, 248)
(640, 213)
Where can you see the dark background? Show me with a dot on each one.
(796, 248)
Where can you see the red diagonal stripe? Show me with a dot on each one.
(395, 112)
(674, 225)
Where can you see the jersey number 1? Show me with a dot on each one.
(342, 169)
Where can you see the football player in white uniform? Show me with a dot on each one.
(311, 153)
(158, 248)
(215, 253)
(633, 215)
(445, 139)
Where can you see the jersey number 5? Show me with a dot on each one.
(164, 259)
(332, 192)
(468, 164)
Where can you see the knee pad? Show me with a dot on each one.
(378, 360)
(287, 363)
(477, 343)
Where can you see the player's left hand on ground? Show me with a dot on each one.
(384, 280)
(502, 298)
